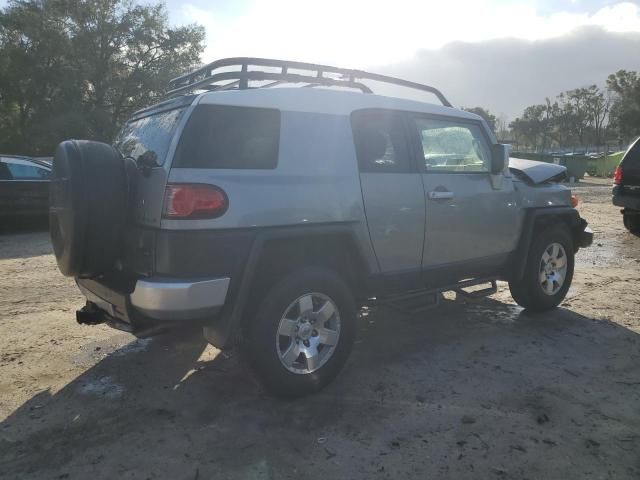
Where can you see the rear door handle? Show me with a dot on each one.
(440, 195)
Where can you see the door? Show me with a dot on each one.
(472, 220)
(24, 187)
(392, 191)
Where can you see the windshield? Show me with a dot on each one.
(149, 136)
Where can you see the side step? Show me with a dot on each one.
(413, 302)
(478, 293)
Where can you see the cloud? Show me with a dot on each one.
(503, 56)
(507, 75)
(366, 33)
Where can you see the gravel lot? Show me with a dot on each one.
(472, 389)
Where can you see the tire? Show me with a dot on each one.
(87, 207)
(531, 291)
(264, 344)
(632, 222)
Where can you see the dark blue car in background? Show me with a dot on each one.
(24, 187)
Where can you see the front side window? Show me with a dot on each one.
(380, 141)
(449, 146)
(149, 135)
(221, 136)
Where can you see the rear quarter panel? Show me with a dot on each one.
(316, 181)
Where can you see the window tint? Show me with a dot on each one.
(449, 146)
(23, 170)
(380, 140)
(149, 134)
(218, 136)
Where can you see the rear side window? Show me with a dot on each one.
(151, 134)
(220, 136)
(632, 156)
(381, 142)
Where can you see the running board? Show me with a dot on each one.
(422, 300)
(413, 302)
(478, 293)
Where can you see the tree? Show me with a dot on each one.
(625, 108)
(486, 115)
(532, 129)
(578, 116)
(80, 68)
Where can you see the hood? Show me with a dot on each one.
(537, 172)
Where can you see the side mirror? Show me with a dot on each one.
(499, 157)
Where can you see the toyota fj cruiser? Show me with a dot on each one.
(271, 214)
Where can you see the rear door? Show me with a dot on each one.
(391, 189)
(472, 222)
(148, 140)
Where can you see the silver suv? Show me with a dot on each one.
(272, 214)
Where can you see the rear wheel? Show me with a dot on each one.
(302, 332)
(548, 271)
(632, 222)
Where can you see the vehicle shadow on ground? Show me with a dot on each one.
(169, 407)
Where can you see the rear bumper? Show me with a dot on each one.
(627, 201)
(150, 302)
(585, 238)
(175, 300)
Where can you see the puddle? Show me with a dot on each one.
(102, 387)
(138, 345)
(503, 314)
(617, 250)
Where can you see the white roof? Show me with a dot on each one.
(322, 100)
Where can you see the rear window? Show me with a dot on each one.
(219, 136)
(149, 134)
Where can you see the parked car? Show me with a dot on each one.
(24, 187)
(626, 188)
(273, 214)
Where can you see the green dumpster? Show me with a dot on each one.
(576, 166)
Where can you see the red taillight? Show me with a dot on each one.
(194, 201)
(574, 201)
(617, 176)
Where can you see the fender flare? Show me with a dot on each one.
(224, 328)
(568, 215)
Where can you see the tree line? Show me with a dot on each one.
(79, 68)
(581, 117)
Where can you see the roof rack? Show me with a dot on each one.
(209, 77)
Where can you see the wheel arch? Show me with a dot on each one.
(539, 218)
(278, 251)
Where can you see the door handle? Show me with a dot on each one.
(440, 195)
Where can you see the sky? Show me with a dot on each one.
(500, 54)
(369, 33)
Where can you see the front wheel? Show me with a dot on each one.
(548, 271)
(302, 332)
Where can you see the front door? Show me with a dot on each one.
(392, 193)
(472, 221)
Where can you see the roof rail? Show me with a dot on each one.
(209, 77)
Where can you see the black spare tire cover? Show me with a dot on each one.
(87, 207)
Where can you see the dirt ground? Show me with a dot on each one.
(471, 389)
